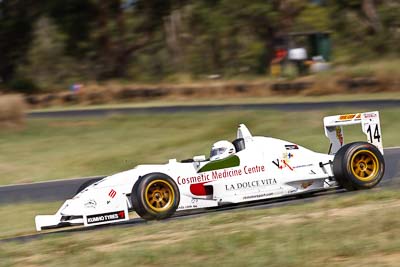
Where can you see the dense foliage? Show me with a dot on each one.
(44, 43)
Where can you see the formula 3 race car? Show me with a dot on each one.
(250, 168)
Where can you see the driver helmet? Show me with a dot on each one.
(221, 150)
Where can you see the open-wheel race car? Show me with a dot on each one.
(250, 168)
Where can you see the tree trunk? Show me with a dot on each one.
(369, 10)
(173, 27)
(104, 42)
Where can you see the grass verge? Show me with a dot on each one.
(341, 230)
(49, 149)
(20, 218)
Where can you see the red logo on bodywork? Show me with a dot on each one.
(121, 215)
(112, 193)
(339, 134)
(281, 164)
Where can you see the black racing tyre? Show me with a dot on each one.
(358, 165)
(155, 196)
(85, 184)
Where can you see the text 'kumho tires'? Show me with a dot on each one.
(358, 165)
(155, 196)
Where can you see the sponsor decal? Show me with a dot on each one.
(187, 207)
(369, 115)
(91, 203)
(257, 196)
(112, 193)
(255, 169)
(347, 117)
(282, 164)
(220, 174)
(339, 134)
(287, 156)
(106, 217)
(306, 184)
(193, 205)
(291, 147)
(302, 166)
(250, 184)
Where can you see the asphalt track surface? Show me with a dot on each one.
(375, 104)
(42, 191)
(68, 187)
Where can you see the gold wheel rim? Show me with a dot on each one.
(159, 195)
(364, 165)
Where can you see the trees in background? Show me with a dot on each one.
(16, 23)
(366, 29)
(55, 42)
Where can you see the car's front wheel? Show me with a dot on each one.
(155, 196)
(358, 165)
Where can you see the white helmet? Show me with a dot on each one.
(221, 149)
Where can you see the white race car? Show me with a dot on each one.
(249, 168)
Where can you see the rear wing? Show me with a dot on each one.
(370, 125)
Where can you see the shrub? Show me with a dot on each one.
(23, 85)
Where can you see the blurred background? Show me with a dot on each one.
(48, 46)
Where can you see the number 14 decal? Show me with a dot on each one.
(376, 135)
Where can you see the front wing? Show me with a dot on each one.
(67, 215)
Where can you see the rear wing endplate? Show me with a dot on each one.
(370, 125)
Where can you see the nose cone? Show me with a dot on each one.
(73, 207)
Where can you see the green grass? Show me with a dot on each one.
(20, 218)
(341, 230)
(63, 148)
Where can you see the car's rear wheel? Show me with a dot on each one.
(155, 196)
(358, 165)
